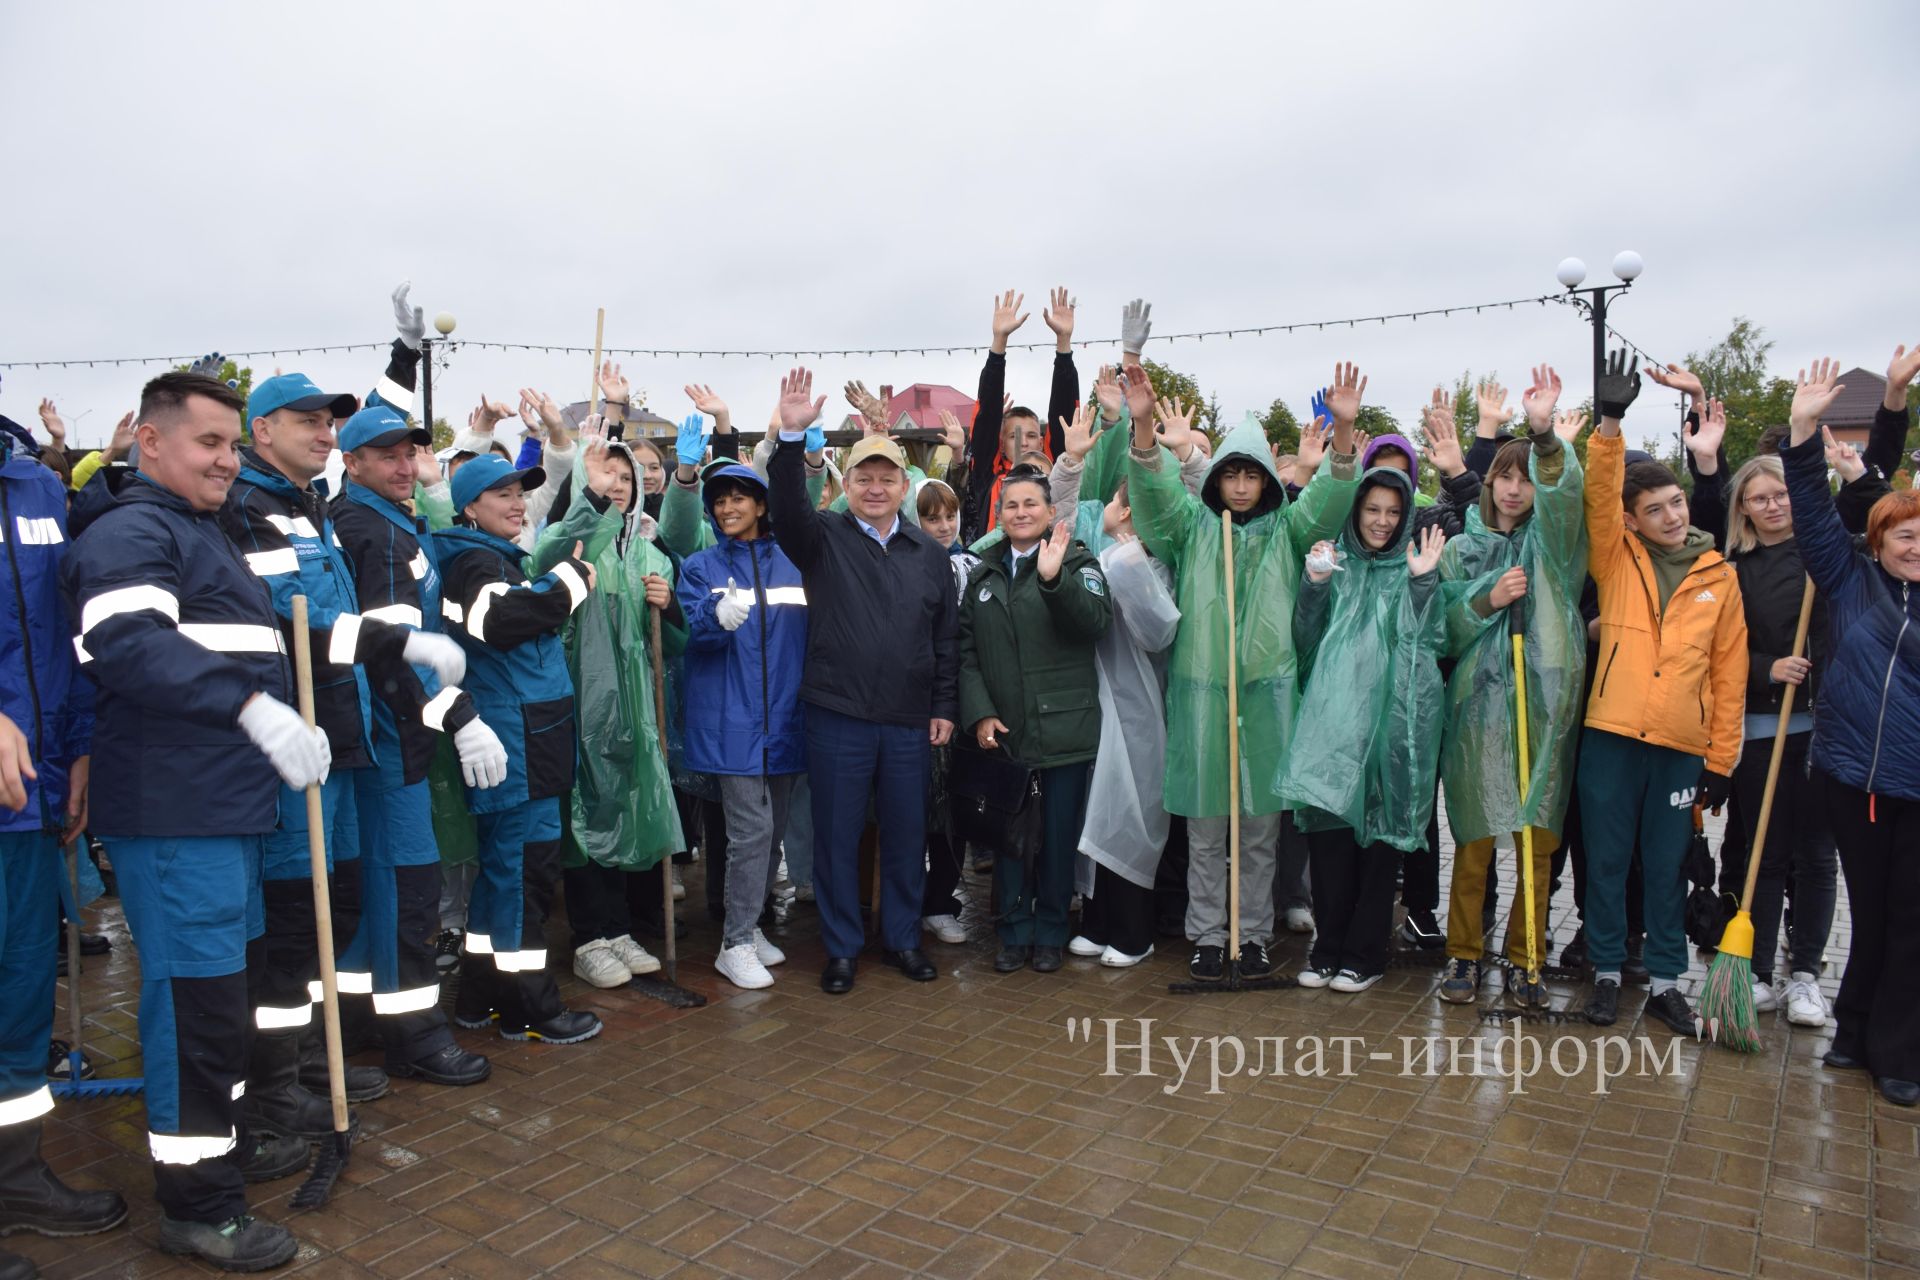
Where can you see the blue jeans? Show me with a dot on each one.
(30, 863)
(848, 762)
(1629, 787)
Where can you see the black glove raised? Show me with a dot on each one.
(1712, 790)
(1619, 385)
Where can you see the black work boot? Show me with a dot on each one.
(474, 1006)
(364, 1084)
(33, 1199)
(275, 1100)
(15, 1267)
(273, 1157)
(243, 1243)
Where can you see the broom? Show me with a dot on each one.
(1726, 1002)
(1517, 631)
(667, 990)
(1230, 978)
(333, 1156)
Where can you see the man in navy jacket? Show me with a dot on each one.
(881, 683)
(180, 639)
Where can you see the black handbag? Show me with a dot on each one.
(996, 803)
(1707, 911)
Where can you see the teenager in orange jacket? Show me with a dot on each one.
(1664, 720)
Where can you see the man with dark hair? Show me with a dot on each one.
(1664, 720)
(1002, 436)
(180, 638)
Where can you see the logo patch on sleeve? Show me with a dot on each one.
(1096, 582)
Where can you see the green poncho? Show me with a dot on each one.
(1371, 703)
(622, 812)
(1479, 759)
(1184, 532)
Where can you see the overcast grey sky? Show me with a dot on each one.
(186, 177)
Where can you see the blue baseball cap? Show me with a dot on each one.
(379, 425)
(295, 391)
(490, 471)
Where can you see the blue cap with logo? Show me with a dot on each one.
(295, 391)
(379, 425)
(490, 471)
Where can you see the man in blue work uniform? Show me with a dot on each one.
(179, 637)
(46, 733)
(387, 549)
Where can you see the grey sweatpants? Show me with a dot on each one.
(1207, 879)
(756, 813)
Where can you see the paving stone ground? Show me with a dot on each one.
(954, 1129)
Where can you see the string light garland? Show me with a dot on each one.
(452, 344)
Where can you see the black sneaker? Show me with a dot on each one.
(446, 951)
(1605, 1005)
(1423, 931)
(1253, 961)
(1634, 972)
(1046, 959)
(1208, 963)
(1574, 954)
(1672, 1008)
(1012, 958)
(569, 1026)
(244, 1243)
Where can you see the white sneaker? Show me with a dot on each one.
(945, 928)
(1806, 1007)
(1299, 920)
(1113, 959)
(1350, 982)
(1085, 948)
(783, 891)
(741, 966)
(636, 957)
(1765, 999)
(599, 964)
(1314, 979)
(679, 889)
(768, 953)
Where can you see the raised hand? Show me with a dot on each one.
(1343, 397)
(1812, 397)
(593, 429)
(1174, 428)
(690, 443)
(530, 417)
(1313, 447)
(1703, 442)
(1319, 405)
(597, 457)
(867, 405)
(410, 320)
(1619, 385)
(1360, 442)
(713, 406)
(1490, 399)
(490, 414)
(122, 442)
(1139, 392)
(1570, 424)
(613, 383)
(1136, 326)
(1059, 317)
(956, 434)
(1901, 371)
(1675, 378)
(1053, 552)
(798, 408)
(1108, 394)
(1079, 433)
(1540, 398)
(56, 426)
(1510, 586)
(1007, 316)
(1424, 557)
(1443, 437)
(1842, 458)
(550, 416)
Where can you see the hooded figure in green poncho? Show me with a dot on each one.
(1270, 535)
(1529, 523)
(1369, 631)
(621, 816)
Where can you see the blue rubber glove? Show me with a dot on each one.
(1320, 409)
(690, 446)
(816, 441)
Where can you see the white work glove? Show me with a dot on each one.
(409, 320)
(734, 607)
(300, 755)
(483, 758)
(442, 653)
(1135, 326)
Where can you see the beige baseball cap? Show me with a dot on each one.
(883, 447)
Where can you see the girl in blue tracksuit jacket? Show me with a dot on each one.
(746, 616)
(517, 677)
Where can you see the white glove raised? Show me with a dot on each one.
(299, 754)
(734, 607)
(410, 320)
(442, 653)
(483, 758)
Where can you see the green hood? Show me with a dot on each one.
(1245, 443)
(1380, 478)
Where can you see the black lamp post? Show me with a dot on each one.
(1571, 271)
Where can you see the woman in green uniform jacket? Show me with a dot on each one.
(1030, 615)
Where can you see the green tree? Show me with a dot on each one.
(1171, 382)
(1734, 370)
(442, 434)
(1282, 428)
